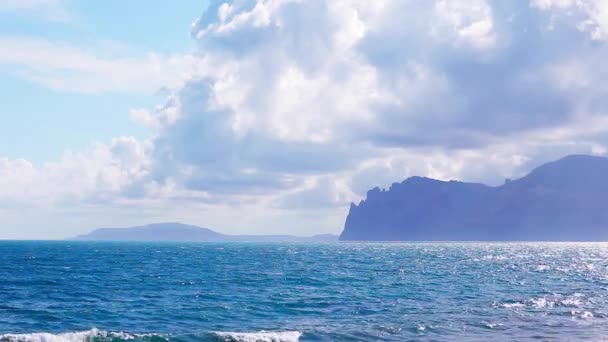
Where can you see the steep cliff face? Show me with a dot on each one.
(558, 201)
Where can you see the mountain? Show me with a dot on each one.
(565, 200)
(178, 232)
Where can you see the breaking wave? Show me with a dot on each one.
(96, 335)
(92, 335)
(262, 336)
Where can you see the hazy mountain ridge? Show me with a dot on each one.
(561, 200)
(178, 232)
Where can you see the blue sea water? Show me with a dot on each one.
(92, 291)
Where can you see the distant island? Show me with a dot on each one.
(565, 200)
(178, 232)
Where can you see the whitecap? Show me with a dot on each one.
(77, 336)
(570, 301)
(492, 325)
(494, 257)
(547, 302)
(541, 302)
(74, 336)
(262, 336)
(580, 314)
(513, 305)
(424, 327)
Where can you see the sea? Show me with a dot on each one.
(55, 291)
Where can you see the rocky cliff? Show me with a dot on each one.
(565, 200)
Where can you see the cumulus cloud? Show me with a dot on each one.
(97, 174)
(362, 79)
(589, 16)
(295, 108)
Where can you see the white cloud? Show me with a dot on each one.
(469, 21)
(98, 174)
(590, 16)
(144, 117)
(52, 10)
(294, 108)
(396, 78)
(62, 66)
(548, 4)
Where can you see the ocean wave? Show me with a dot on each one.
(94, 334)
(97, 335)
(547, 302)
(48, 337)
(262, 336)
(582, 314)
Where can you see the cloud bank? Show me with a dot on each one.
(296, 108)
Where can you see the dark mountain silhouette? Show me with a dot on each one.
(565, 200)
(178, 232)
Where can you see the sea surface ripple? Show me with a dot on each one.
(157, 292)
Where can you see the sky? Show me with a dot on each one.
(272, 116)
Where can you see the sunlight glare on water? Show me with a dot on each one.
(77, 291)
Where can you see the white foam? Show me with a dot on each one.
(491, 325)
(548, 302)
(513, 305)
(494, 257)
(570, 301)
(582, 314)
(262, 336)
(78, 336)
(541, 302)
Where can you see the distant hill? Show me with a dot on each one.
(565, 200)
(178, 232)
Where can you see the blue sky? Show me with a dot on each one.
(266, 117)
(60, 120)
